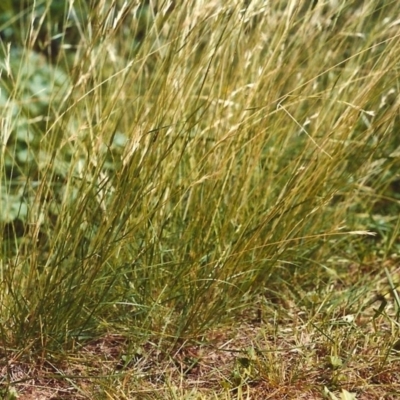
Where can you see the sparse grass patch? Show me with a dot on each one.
(200, 200)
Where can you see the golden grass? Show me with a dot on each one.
(188, 178)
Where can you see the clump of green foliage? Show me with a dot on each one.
(163, 164)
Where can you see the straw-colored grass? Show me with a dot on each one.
(199, 200)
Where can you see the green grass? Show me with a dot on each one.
(200, 200)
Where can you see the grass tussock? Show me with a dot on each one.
(169, 169)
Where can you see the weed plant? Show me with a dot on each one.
(165, 164)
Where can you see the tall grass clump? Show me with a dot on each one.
(165, 162)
